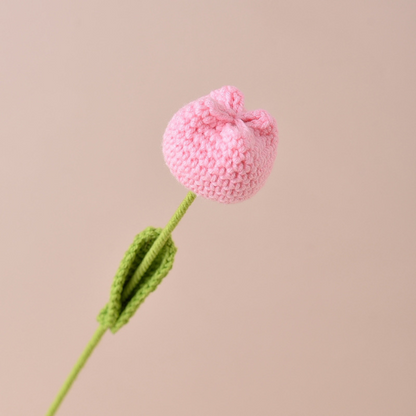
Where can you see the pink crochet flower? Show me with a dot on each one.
(217, 149)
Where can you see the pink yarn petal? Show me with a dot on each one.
(217, 149)
(230, 97)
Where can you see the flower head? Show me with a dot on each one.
(218, 150)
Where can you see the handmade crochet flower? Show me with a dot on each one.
(218, 150)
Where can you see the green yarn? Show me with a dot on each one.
(158, 244)
(147, 261)
(122, 304)
(76, 369)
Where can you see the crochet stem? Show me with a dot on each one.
(76, 369)
(144, 265)
(157, 245)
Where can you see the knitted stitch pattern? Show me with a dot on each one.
(217, 149)
(118, 312)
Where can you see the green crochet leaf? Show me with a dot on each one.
(117, 312)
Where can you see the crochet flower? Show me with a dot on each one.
(218, 150)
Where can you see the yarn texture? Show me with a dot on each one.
(218, 150)
(118, 311)
(145, 264)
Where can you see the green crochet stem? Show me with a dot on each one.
(76, 369)
(157, 245)
(127, 291)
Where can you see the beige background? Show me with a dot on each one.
(298, 302)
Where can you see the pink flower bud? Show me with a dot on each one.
(218, 150)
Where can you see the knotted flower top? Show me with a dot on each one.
(218, 150)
